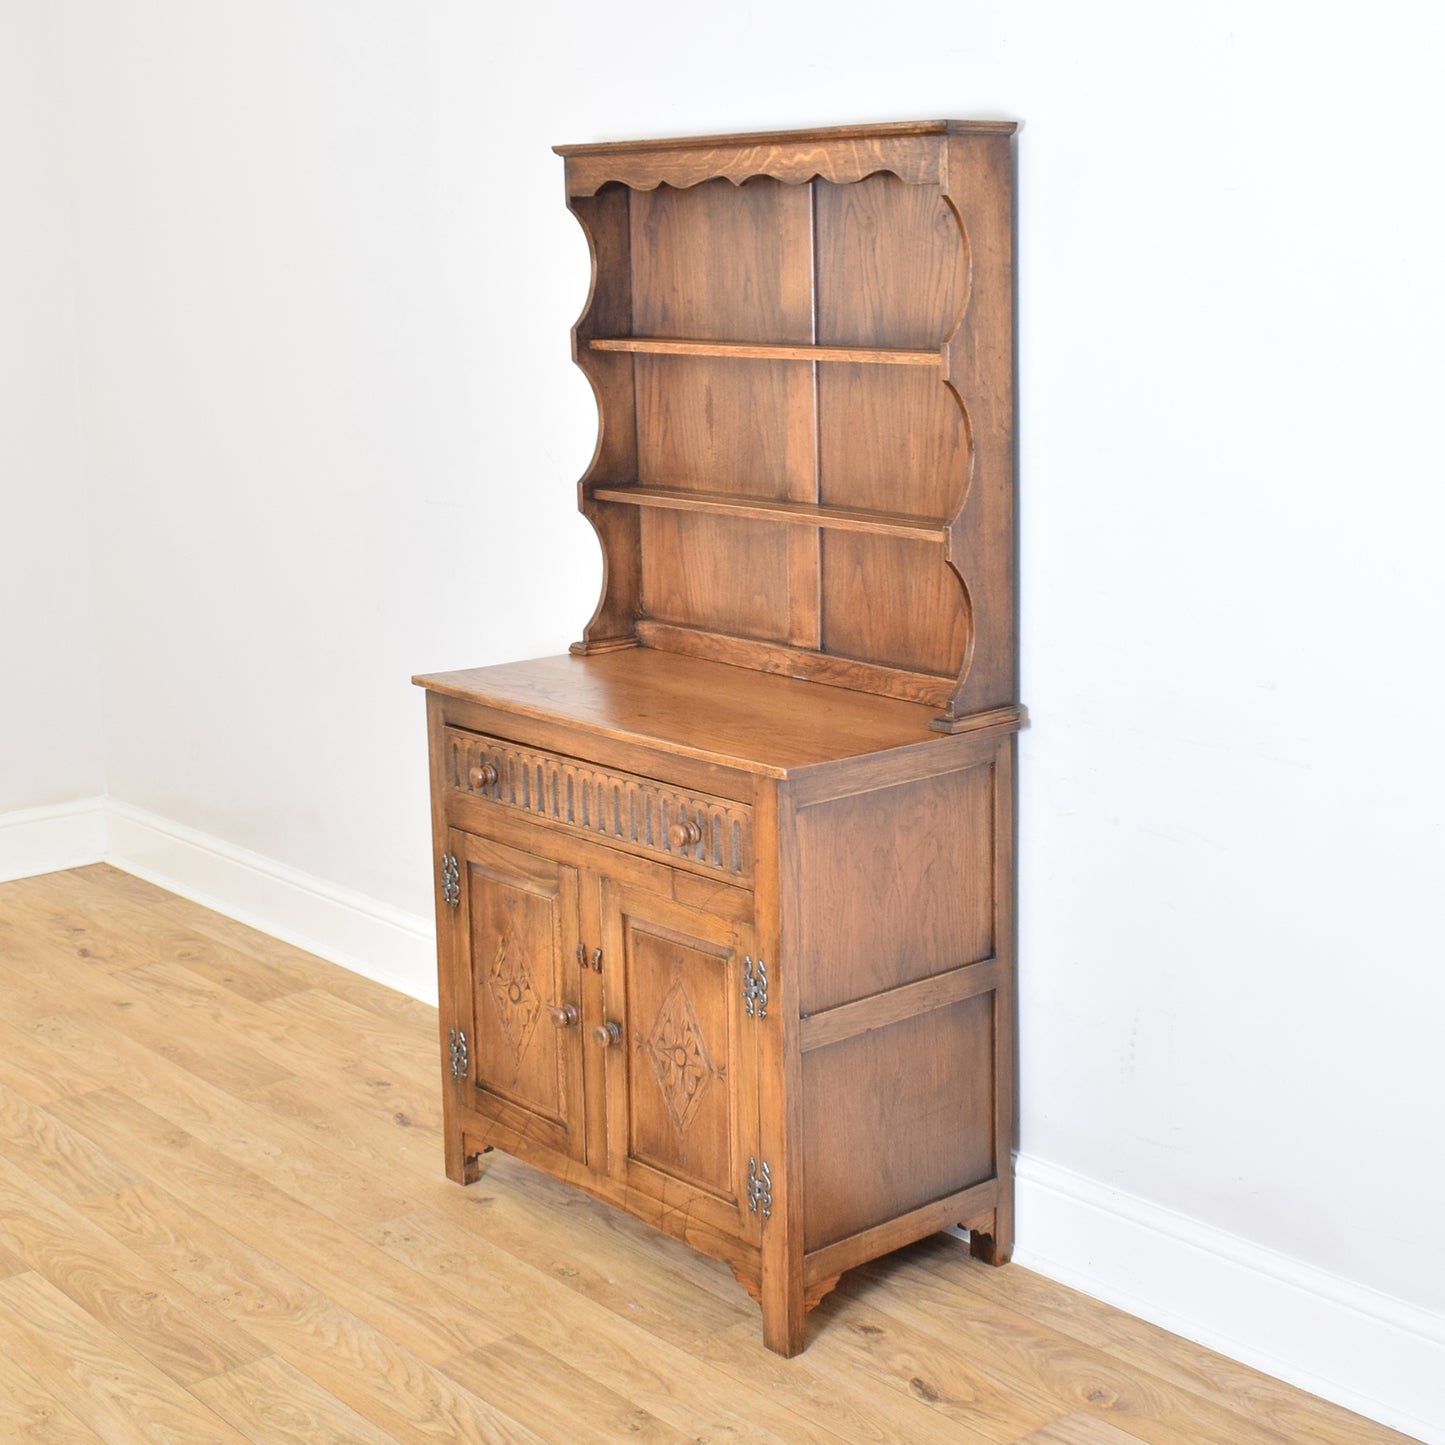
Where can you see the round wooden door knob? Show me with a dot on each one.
(483, 775)
(686, 834)
(564, 1015)
(608, 1034)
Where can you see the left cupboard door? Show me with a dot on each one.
(516, 932)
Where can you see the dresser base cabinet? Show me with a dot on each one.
(725, 895)
(789, 1042)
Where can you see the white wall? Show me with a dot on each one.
(51, 745)
(326, 278)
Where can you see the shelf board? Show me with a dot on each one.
(763, 509)
(933, 689)
(768, 351)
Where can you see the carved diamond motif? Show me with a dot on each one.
(519, 1005)
(679, 1057)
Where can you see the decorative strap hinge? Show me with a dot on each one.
(755, 988)
(760, 1188)
(451, 880)
(459, 1054)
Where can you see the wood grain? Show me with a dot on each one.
(274, 1402)
(755, 721)
(181, 1337)
(918, 620)
(876, 928)
(919, 1124)
(720, 263)
(720, 427)
(892, 264)
(161, 1283)
(893, 441)
(30, 1412)
(94, 1375)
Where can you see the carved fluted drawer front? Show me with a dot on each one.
(617, 807)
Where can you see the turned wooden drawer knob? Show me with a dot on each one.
(564, 1015)
(686, 834)
(483, 776)
(608, 1034)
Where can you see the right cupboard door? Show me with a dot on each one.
(682, 1095)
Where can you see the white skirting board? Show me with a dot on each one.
(1337, 1339)
(370, 938)
(1326, 1334)
(46, 840)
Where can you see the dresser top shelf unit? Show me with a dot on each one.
(801, 349)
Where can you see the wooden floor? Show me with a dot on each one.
(223, 1218)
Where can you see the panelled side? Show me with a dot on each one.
(979, 367)
(897, 919)
(606, 221)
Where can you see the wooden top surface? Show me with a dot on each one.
(785, 137)
(729, 715)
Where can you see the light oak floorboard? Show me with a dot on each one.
(1142, 1346)
(31, 1414)
(273, 1403)
(1079, 1430)
(223, 1217)
(177, 1334)
(90, 1371)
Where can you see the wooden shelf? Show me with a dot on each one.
(768, 351)
(762, 509)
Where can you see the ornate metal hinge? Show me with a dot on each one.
(459, 1054)
(760, 1188)
(451, 880)
(755, 988)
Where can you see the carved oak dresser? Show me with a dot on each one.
(726, 896)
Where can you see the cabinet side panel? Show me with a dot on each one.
(983, 545)
(897, 1117)
(604, 219)
(895, 884)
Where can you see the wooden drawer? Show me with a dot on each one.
(632, 812)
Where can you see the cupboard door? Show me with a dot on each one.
(682, 1097)
(517, 935)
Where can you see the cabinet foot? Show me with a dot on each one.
(991, 1239)
(464, 1168)
(987, 1248)
(783, 1329)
